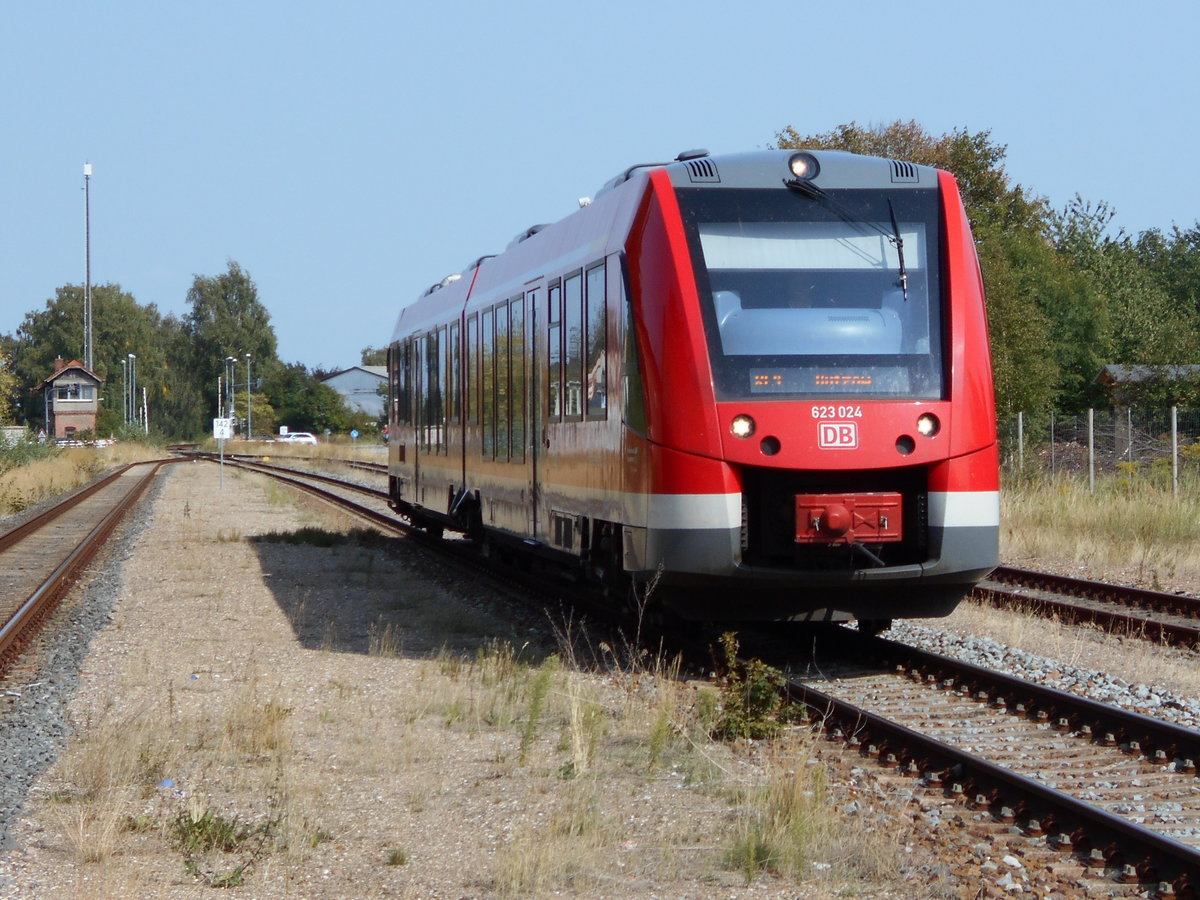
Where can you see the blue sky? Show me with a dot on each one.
(349, 154)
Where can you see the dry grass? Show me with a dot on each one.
(368, 449)
(593, 747)
(1128, 523)
(1130, 530)
(160, 771)
(42, 479)
(588, 752)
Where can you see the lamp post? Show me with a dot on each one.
(248, 431)
(87, 265)
(230, 380)
(125, 392)
(131, 400)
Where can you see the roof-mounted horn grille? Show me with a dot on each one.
(702, 171)
(904, 173)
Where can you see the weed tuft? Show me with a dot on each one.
(753, 706)
(538, 692)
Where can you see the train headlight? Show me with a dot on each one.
(804, 166)
(928, 425)
(742, 426)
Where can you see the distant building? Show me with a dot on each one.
(1126, 385)
(72, 398)
(359, 387)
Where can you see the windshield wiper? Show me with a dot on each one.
(899, 242)
(810, 190)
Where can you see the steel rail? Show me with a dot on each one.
(39, 521)
(1151, 737)
(1078, 825)
(1127, 609)
(18, 629)
(1159, 601)
(1075, 614)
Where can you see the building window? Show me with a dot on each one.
(74, 392)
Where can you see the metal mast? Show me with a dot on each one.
(87, 283)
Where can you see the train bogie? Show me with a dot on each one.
(759, 383)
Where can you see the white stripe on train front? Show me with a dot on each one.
(695, 511)
(948, 509)
(965, 509)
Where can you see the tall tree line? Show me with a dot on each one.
(180, 362)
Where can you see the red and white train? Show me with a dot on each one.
(758, 385)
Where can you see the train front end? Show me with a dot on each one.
(820, 412)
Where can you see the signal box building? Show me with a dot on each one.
(72, 398)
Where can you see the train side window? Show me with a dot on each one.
(409, 377)
(453, 393)
(397, 385)
(420, 388)
(487, 350)
(443, 369)
(633, 392)
(554, 354)
(432, 392)
(516, 319)
(597, 344)
(573, 349)
(473, 370)
(503, 383)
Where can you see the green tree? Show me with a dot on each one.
(120, 327)
(8, 385)
(374, 356)
(1149, 325)
(1173, 260)
(227, 319)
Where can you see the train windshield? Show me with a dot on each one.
(833, 293)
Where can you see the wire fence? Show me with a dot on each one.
(1163, 444)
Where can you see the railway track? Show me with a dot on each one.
(1113, 794)
(41, 558)
(1152, 615)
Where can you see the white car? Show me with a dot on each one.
(297, 437)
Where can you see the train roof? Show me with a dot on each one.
(599, 226)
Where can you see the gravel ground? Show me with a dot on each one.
(347, 710)
(300, 720)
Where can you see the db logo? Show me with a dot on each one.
(837, 435)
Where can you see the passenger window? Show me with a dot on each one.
(488, 393)
(554, 355)
(473, 370)
(597, 343)
(453, 402)
(516, 343)
(573, 351)
(503, 383)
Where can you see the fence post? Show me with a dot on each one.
(1053, 460)
(1174, 451)
(1091, 450)
(1021, 441)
